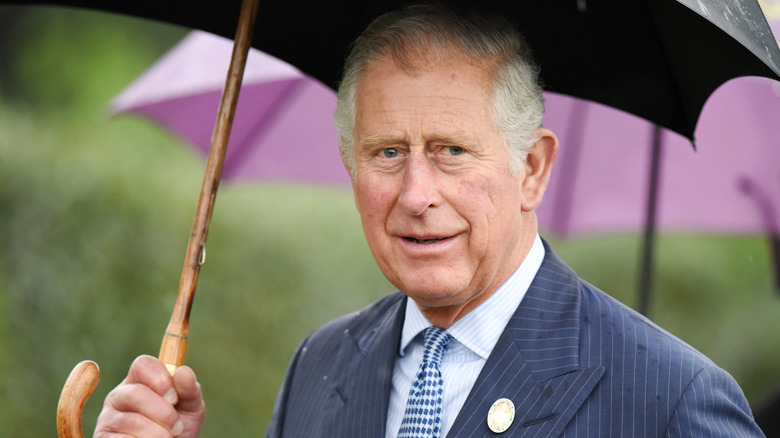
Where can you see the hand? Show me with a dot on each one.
(152, 403)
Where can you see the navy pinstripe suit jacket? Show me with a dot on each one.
(575, 362)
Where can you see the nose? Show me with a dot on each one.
(419, 190)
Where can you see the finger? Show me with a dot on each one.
(138, 399)
(129, 424)
(150, 372)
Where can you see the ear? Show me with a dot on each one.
(539, 163)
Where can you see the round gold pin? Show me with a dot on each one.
(501, 415)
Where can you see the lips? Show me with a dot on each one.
(423, 241)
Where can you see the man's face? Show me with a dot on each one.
(440, 208)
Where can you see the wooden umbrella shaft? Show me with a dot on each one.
(84, 377)
(174, 344)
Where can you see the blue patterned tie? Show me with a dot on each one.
(422, 418)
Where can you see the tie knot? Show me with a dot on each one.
(436, 340)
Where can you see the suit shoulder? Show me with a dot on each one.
(323, 361)
(357, 323)
(617, 325)
(654, 371)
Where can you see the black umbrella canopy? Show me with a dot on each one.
(657, 59)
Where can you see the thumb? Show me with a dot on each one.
(189, 392)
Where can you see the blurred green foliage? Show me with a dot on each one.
(95, 213)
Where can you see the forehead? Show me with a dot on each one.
(455, 89)
(426, 62)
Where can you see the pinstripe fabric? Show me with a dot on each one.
(575, 362)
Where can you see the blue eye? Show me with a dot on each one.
(390, 153)
(455, 150)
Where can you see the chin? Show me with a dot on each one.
(432, 287)
(436, 294)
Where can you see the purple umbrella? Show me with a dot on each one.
(606, 181)
(729, 183)
(283, 128)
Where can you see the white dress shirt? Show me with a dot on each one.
(475, 335)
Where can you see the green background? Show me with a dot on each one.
(95, 214)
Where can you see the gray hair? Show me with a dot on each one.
(408, 35)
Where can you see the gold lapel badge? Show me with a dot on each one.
(501, 415)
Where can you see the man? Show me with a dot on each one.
(440, 120)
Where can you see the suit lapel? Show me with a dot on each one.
(535, 362)
(363, 375)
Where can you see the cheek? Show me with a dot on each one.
(490, 206)
(473, 201)
(477, 196)
(374, 201)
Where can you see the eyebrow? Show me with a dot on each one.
(371, 141)
(461, 138)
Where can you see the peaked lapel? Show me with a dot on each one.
(535, 362)
(363, 372)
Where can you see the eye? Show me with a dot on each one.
(455, 150)
(389, 153)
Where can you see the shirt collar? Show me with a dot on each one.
(480, 329)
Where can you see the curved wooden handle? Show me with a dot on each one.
(79, 386)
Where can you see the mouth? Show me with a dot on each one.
(423, 241)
